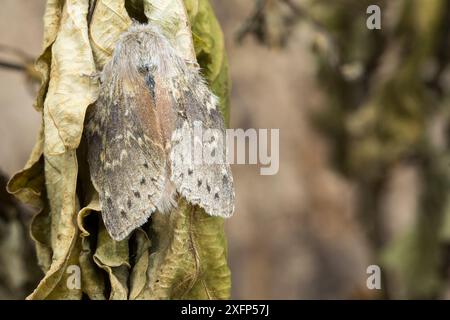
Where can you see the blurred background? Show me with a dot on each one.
(364, 160)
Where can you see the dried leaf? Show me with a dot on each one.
(52, 17)
(109, 20)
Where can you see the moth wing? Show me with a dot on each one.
(125, 150)
(207, 181)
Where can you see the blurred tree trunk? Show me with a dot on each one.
(389, 110)
(387, 113)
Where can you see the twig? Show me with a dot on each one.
(300, 13)
(12, 66)
(16, 51)
(26, 59)
(253, 23)
(26, 65)
(250, 25)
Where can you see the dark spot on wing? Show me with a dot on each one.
(150, 82)
(199, 183)
(146, 165)
(190, 172)
(208, 188)
(225, 179)
(123, 213)
(216, 195)
(137, 194)
(142, 68)
(142, 181)
(129, 204)
(182, 114)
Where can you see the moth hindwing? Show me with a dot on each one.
(141, 135)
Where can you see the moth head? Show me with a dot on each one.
(140, 34)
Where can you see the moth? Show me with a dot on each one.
(140, 133)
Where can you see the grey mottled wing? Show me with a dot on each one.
(204, 178)
(125, 149)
